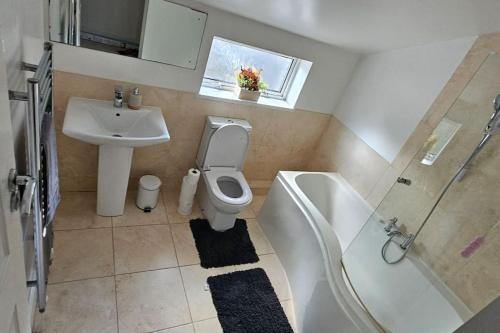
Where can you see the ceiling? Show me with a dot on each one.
(372, 25)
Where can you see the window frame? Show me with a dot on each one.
(280, 95)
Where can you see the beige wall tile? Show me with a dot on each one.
(185, 115)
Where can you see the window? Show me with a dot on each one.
(226, 57)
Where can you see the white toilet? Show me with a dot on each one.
(223, 190)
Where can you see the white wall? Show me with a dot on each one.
(390, 92)
(331, 70)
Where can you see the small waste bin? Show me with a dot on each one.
(149, 189)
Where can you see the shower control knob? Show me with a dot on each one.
(392, 223)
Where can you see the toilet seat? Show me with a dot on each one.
(215, 177)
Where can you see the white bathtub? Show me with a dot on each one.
(309, 219)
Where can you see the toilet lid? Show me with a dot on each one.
(227, 147)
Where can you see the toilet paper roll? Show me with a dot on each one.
(188, 190)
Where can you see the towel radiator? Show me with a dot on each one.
(39, 98)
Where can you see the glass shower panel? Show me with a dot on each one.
(453, 268)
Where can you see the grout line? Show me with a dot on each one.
(114, 278)
(89, 228)
(171, 327)
(78, 280)
(182, 279)
(139, 225)
(185, 295)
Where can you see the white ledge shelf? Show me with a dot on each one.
(229, 96)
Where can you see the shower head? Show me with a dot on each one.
(494, 122)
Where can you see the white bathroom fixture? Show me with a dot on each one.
(116, 131)
(224, 192)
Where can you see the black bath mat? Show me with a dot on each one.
(246, 303)
(219, 249)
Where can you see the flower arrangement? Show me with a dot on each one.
(250, 83)
(250, 78)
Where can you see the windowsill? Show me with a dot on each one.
(229, 96)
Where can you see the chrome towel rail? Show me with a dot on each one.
(39, 98)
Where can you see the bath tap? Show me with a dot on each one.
(492, 127)
(118, 102)
(390, 225)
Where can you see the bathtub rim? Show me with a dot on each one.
(331, 251)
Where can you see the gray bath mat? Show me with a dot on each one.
(226, 248)
(246, 303)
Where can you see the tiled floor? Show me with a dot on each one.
(138, 272)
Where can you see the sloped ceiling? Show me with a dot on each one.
(372, 25)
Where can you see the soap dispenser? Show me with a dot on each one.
(135, 99)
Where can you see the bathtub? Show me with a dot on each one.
(310, 218)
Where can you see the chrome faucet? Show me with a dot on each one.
(118, 103)
(390, 225)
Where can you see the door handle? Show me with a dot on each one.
(29, 183)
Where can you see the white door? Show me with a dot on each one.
(14, 311)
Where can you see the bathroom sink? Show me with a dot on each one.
(100, 123)
(117, 131)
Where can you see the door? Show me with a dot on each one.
(14, 310)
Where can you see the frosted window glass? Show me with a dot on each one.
(226, 58)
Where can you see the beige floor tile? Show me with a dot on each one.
(257, 203)
(289, 312)
(151, 301)
(198, 295)
(142, 248)
(81, 306)
(187, 254)
(259, 239)
(78, 211)
(247, 213)
(171, 201)
(179, 329)
(272, 266)
(208, 326)
(136, 216)
(82, 254)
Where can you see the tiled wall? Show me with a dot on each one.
(303, 140)
(280, 140)
(470, 208)
(372, 176)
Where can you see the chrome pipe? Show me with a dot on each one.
(33, 142)
(74, 22)
(71, 22)
(77, 22)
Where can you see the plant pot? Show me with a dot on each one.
(245, 94)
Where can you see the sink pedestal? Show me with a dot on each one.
(112, 181)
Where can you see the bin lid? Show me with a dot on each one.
(149, 182)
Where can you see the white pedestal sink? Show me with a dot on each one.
(116, 131)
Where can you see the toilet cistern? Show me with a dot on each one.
(223, 189)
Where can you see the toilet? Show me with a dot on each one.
(223, 190)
